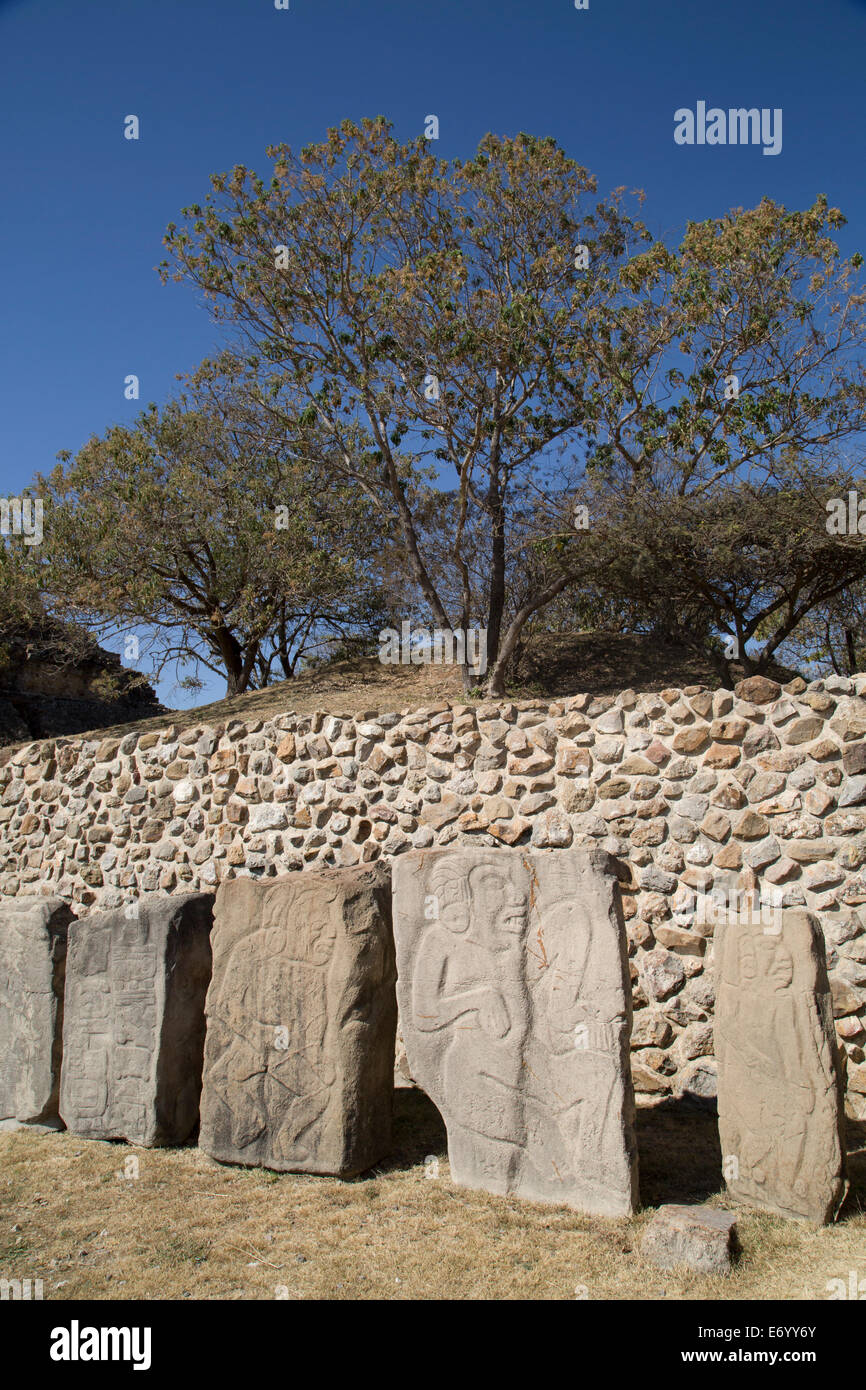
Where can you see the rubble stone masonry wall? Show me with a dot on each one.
(758, 790)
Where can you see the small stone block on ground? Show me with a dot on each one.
(700, 1238)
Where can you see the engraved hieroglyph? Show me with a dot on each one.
(133, 1033)
(780, 1082)
(32, 965)
(301, 1023)
(516, 1011)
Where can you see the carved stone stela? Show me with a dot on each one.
(780, 1083)
(516, 1011)
(32, 964)
(301, 1023)
(133, 1032)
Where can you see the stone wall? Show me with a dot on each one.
(694, 791)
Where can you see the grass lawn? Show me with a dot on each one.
(191, 1228)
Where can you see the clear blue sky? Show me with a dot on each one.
(215, 81)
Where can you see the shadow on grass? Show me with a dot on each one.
(678, 1149)
(681, 1159)
(678, 1145)
(419, 1131)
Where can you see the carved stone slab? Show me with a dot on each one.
(781, 1113)
(32, 967)
(301, 1023)
(133, 1032)
(516, 1009)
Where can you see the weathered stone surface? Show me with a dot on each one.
(663, 973)
(854, 758)
(804, 730)
(301, 1022)
(760, 690)
(133, 1031)
(650, 1030)
(648, 1082)
(699, 1238)
(780, 1083)
(32, 965)
(698, 1081)
(514, 997)
(691, 739)
(854, 792)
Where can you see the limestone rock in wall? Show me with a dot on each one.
(780, 1087)
(133, 1032)
(32, 966)
(516, 1010)
(301, 1023)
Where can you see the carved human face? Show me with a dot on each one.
(765, 963)
(498, 906)
(776, 965)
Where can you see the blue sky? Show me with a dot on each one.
(215, 81)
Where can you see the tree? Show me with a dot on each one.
(29, 632)
(833, 635)
(731, 399)
(736, 355)
(732, 572)
(486, 328)
(231, 553)
(407, 302)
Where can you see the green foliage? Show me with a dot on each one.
(611, 384)
(229, 541)
(397, 267)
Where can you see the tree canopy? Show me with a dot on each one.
(492, 328)
(233, 549)
(479, 391)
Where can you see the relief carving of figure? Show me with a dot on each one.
(777, 1078)
(275, 1011)
(469, 981)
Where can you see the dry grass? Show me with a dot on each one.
(594, 663)
(357, 687)
(191, 1228)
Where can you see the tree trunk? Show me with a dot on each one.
(496, 590)
(851, 650)
(230, 654)
(495, 688)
